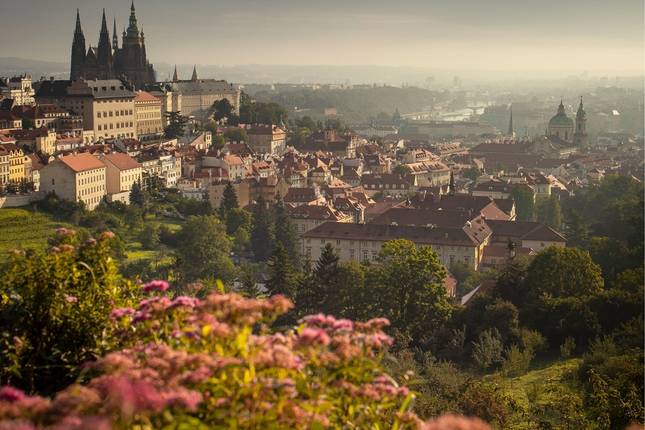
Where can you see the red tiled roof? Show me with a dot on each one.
(143, 96)
(122, 161)
(81, 162)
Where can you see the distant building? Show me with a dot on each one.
(266, 139)
(107, 106)
(108, 60)
(76, 177)
(147, 113)
(122, 171)
(19, 89)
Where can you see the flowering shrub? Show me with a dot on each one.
(215, 363)
(55, 310)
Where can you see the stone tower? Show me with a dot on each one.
(580, 138)
(104, 52)
(78, 50)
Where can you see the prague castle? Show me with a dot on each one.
(108, 60)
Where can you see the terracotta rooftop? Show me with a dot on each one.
(122, 161)
(81, 162)
(144, 96)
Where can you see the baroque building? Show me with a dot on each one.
(108, 60)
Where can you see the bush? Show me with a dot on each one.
(488, 349)
(568, 347)
(214, 363)
(517, 361)
(55, 310)
(150, 236)
(533, 340)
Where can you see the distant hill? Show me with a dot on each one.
(355, 105)
(10, 66)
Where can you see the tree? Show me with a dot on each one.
(229, 201)
(139, 196)
(524, 202)
(222, 109)
(548, 211)
(262, 235)
(472, 173)
(236, 134)
(285, 232)
(563, 272)
(408, 282)
(576, 230)
(401, 170)
(283, 279)
(203, 250)
(176, 125)
(488, 349)
(149, 236)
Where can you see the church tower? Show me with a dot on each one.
(175, 78)
(580, 137)
(194, 77)
(78, 50)
(511, 128)
(115, 38)
(104, 52)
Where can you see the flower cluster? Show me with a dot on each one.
(216, 361)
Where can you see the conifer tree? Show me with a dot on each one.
(262, 235)
(282, 276)
(285, 232)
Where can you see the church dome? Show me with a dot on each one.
(561, 119)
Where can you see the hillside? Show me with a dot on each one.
(20, 228)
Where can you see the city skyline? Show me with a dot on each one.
(554, 36)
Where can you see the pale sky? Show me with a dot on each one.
(546, 35)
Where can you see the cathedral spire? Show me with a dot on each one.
(104, 51)
(133, 31)
(511, 129)
(561, 107)
(175, 78)
(194, 77)
(451, 185)
(104, 28)
(115, 38)
(78, 29)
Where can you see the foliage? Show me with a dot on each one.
(262, 234)
(283, 277)
(472, 173)
(488, 349)
(260, 112)
(236, 134)
(203, 250)
(149, 236)
(326, 373)
(176, 125)
(568, 347)
(54, 310)
(548, 211)
(285, 232)
(524, 202)
(517, 361)
(223, 109)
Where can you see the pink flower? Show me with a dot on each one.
(184, 301)
(314, 335)
(11, 394)
(119, 313)
(343, 324)
(107, 235)
(71, 299)
(156, 285)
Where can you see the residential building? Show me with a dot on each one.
(107, 106)
(77, 177)
(38, 139)
(4, 166)
(19, 89)
(362, 242)
(306, 217)
(266, 139)
(526, 234)
(147, 113)
(122, 172)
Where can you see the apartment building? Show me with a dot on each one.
(122, 171)
(147, 110)
(76, 177)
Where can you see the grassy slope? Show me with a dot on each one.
(20, 228)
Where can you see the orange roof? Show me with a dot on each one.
(81, 162)
(122, 161)
(144, 96)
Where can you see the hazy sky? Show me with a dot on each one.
(599, 36)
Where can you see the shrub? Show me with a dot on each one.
(517, 361)
(488, 348)
(214, 363)
(533, 340)
(55, 310)
(567, 348)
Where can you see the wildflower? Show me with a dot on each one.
(184, 301)
(71, 299)
(313, 335)
(11, 394)
(107, 235)
(119, 313)
(156, 285)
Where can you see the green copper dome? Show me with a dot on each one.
(561, 119)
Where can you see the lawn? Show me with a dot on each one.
(21, 228)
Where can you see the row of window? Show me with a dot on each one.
(114, 113)
(116, 125)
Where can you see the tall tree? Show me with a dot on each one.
(524, 202)
(283, 278)
(176, 125)
(229, 201)
(203, 250)
(409, 285)
(549, 212)
(285, 232)
(262, 235)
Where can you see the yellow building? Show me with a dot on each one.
(17, 172)
(147, 109)
(122, 172)
(76, 177)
